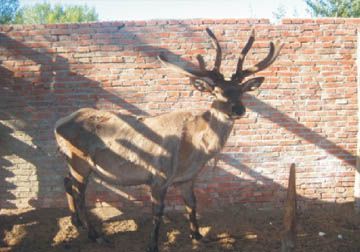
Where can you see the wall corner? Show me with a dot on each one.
(357, 170)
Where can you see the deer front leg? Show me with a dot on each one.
(157, 197)
(187, 192)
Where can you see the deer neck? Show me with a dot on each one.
(221, 111)
(220, 123)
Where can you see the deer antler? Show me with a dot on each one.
(244, 51)
(216, 44)
(213, 77)
(266, 62)
(201, 61)
(200, 72)
(191, 72)
(195, 73)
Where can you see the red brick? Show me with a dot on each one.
(298, 113)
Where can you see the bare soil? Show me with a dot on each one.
(234, 228)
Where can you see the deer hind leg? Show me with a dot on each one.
(157, 196)
(79, 189)
(80, 171)
(187, 192)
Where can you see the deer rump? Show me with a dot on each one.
(127, 150)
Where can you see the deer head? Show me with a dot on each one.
(228, 93)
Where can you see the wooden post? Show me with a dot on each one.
(357, 170)
(289, 233)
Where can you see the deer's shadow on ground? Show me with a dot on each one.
(232, 228)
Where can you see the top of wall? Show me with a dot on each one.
(321, 21)
(245, 21)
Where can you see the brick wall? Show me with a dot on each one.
(305, 112)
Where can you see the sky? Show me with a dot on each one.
(111, 10)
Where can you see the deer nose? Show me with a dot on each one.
(238, 110)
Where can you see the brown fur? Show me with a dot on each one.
(125, 150)
(116, 146)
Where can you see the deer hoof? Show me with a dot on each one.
(196, 236)
(75, 221)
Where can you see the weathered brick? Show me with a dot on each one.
(305, 111)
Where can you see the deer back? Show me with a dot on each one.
(118, 140)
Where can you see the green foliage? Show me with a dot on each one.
(45, 13)
(279, 13)
(8, 10)
(334, 8)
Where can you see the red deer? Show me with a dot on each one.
(160, 151)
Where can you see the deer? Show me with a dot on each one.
(160, 151)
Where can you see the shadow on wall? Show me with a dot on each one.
(30, 105)
(25, 107)
(29, 108)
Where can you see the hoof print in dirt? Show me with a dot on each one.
(67, 246)
(152, 249)
(103, 241)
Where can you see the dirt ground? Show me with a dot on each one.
(234, 228)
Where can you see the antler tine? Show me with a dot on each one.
(191, 72)
(201, 61)
(243, 54)
(218, 49)
(266, 62)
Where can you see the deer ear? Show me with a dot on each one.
(203, 84)
(252, 84)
